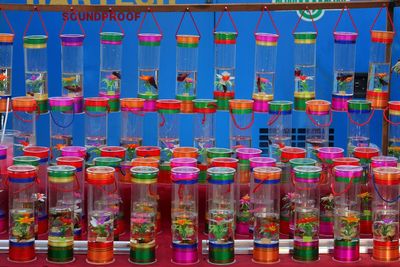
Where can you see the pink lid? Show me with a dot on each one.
(149, 37)
(345, 36)
(246, 153)
(184, 174)
(266, 37)
(262, 162)
(330, 152)
(183, 162)
(383, 161)
(76, 151)
(61, 101)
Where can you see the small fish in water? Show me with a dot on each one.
(24, 143)
(73, 88)
(344, 77)
(381, 78)
(30, 93)
(238, 146)
(149, 79)
(117, 74)
(297, 72)
(3, 70)
(261, 81)
(182, 76)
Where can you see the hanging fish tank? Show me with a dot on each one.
(6, 55)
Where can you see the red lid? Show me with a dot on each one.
(365, 152)
(288, 153)
(148, 151)
(38, 151)
(224, 162)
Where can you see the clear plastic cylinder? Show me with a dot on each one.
(148, 152)
(100, 207)
(317, 128)
(325, 157)
(24, 123)
(132, 118)
(184, 215)
(6, 58)
(221, 213)
(394, 129)
(3, 194)
(224, 68)
(347, 213)
(21, 186)
(143, 215)
(365, 155)
(36, 77)
(110, 68)
(72, 68)
(242, 119)
(265, 204)
(41, 196)
(305, 46)
(62, 185)
(148, 68)
(61, 124)
(264, 68)
(96, 122)
(115, 199)
(306, 213)
(168, 126)
(8, 141)
(279, 127)
(204, 131)
(79, 193)
(244, 219)
(386, 214)
(186, 70)
(358, 126)
(344, 64)
(379, 68)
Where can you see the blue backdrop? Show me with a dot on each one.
(245, 21)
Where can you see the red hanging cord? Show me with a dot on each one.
(364, 123)
(316, 123)
(116, 20)
(192, 18)
(230, 18)
(35, 9)
(154, 19)
(347, 188)
(301, 16)
(162, 123)
(273, 119)
(72, 11)
(238, 126)
(388, 120)
(270, 18)
(377, 16)
(351, 19)
(7, 21)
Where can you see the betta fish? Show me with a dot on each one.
(182, 76)
(341, 77)
(150, 80)
(117, 74)
(381, 78)
(73, 88)
(297, 72)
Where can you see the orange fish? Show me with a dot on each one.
(381, 75)
(24, 143)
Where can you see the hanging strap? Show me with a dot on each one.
(192, 18)
(387, 119)
(388, 16)
(154, 19)
(116, 20)
(35, 9)
(63, 126)
(310, 116)
(351, 19)
(72, 11)
(270, 18)
(230, 18)
(273, 119)
(363, 123)
(346, 189)
(301, 16)
(238, 126)
(380, 195)
(7, 21)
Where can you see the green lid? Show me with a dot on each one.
(305, 35)
(302, 162)
(61, 171)
(359, 105)
(204, 103)
(217, 152)
(225, 35)
(35, 39)
(107, 161)
(26, 160)
(111, 36)
(280, 105)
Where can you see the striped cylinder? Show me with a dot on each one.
(111, 38)
(262, 162)
(100, 253)
(358, 106)
(221, 253)
(383, 161)
(305, 251)
(74, 151)
(346, 251)
(266, 253)
(145, 162)
(185, 152)
(217, 152)
(385, 251)
(142, 253)
(148, 152)
(35, 41)
(305, 38)
(185, 253)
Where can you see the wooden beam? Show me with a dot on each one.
(201, 7)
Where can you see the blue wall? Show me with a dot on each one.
(245, 60)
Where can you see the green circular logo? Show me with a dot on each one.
(315, 14)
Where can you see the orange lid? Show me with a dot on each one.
(24, 103)
(132, 103)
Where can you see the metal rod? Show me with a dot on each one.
(201, 7)
(385, 124)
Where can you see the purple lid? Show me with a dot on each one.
(247, 153)
(76, 151)
(262, 162)
(183, 162)
(72, 39)
(3, 151)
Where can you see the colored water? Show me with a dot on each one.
(72, 84)
(36, 83)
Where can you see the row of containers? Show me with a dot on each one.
(36, 68)
(251, 196)
(279, 121)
